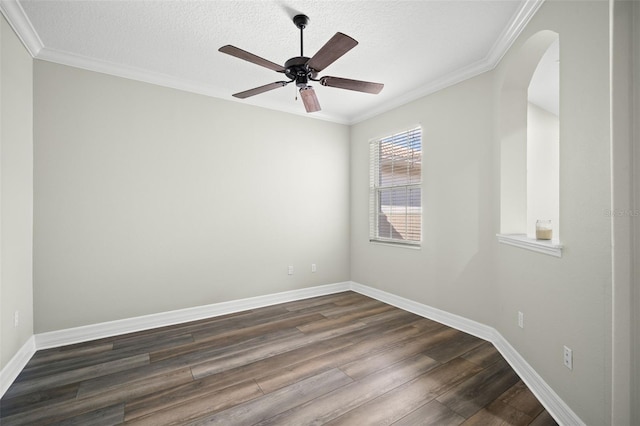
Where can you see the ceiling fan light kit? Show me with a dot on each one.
(302, 69)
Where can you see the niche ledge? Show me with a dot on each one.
(552, 248)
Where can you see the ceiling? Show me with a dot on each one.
(414, 47)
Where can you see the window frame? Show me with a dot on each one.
(376, 189)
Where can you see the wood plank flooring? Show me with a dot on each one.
(342, 359)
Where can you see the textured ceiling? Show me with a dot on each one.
(413, 47)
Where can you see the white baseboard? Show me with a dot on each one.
(86, 333)
(15, 365)
(70, 336)
(460, 323)
(545, 394)
(549, 399)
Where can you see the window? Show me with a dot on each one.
(395, 188)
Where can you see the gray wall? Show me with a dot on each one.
(461, 268)
(635, 317)
(149, 199)
(453, 270)
(567, 301)
(625, 401)
(16, 193)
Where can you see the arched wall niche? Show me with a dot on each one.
(514, 107)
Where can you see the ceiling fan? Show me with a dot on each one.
(302, 69)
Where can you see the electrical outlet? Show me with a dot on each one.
(16, 318)
(568, 358)
(520, 319)
(290, 271)
(313, 267)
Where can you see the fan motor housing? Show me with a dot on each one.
(297, 69)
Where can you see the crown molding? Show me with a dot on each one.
(511, 32)
(19, 21)
(14, 14)
(518, 23)
(437, 85)
(125, 71)
(159, 79)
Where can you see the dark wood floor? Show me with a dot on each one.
(338, 359)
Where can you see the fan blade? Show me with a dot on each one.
(243, 54)
(309, 99)
(261, 89)
(337, 46)
(357, 85)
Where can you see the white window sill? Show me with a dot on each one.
(392, 244)
(552, 248)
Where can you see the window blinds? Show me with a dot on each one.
(395, 178)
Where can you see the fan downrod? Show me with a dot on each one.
(301, 22)
(296, 68)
